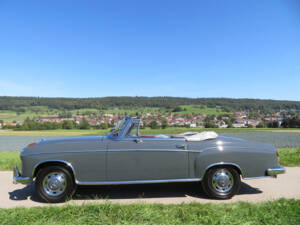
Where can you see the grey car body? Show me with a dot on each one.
(124, 157)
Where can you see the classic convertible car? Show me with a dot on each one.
(124, 157)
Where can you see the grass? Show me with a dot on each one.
(31, 112)
(288, 157)
(199, 109)
(42, 111)
(8, 160)
(274, 212)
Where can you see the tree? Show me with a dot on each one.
(210, 125)
(153, 124)
(104, 126)
(84, 124)
(68, 124)
(164, 123)
(260, 125)
(178, 109)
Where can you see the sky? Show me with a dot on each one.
(213, 48)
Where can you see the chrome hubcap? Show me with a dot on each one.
(54, 183)
(222, 180)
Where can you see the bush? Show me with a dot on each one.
(260, 125)
(154, 125)
(104, 126)
(68, 124)
(84, 124)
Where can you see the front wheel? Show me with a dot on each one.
(221, 182)
(54, 184)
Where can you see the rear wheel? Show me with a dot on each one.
(54, 184)
(221, 182)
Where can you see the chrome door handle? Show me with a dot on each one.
(180, 146)
(138, 140)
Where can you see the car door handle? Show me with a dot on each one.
(180, 146)
(138, 140)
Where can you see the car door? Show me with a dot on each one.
(133, 159)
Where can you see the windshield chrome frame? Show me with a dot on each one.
(127, 125)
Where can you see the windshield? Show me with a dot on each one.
(133, 130)
(119, 127)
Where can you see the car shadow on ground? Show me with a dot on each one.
(137, 191)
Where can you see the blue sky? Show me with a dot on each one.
(232, 48)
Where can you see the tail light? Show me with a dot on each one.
(31, 144)
(277, 154)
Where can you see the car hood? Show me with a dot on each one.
(67, 144)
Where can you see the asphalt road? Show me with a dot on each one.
(285, 186)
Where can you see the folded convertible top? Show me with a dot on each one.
(196, 136)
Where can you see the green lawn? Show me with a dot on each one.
(288, 157)
(274, 212)
(8, 160)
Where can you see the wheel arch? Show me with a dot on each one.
(46, 163)
(220, 164)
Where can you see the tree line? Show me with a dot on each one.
(227, 104)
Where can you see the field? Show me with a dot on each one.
(199, 109)
(274, 212)
(34, 112)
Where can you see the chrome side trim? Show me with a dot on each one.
(53, 161)
(224, 164)
(117, 150)
(55, 152)
(137, 181)
(147, 150)
(261, 177)
(17, 177)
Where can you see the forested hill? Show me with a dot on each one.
(227, 104)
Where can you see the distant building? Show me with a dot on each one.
(239, 125)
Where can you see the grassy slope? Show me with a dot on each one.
(288, 157)
(39, 111)
(200, 110)
(276, 212)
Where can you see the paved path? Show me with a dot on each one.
(286, 186)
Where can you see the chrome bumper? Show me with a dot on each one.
(18, 177)
(275, 171)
